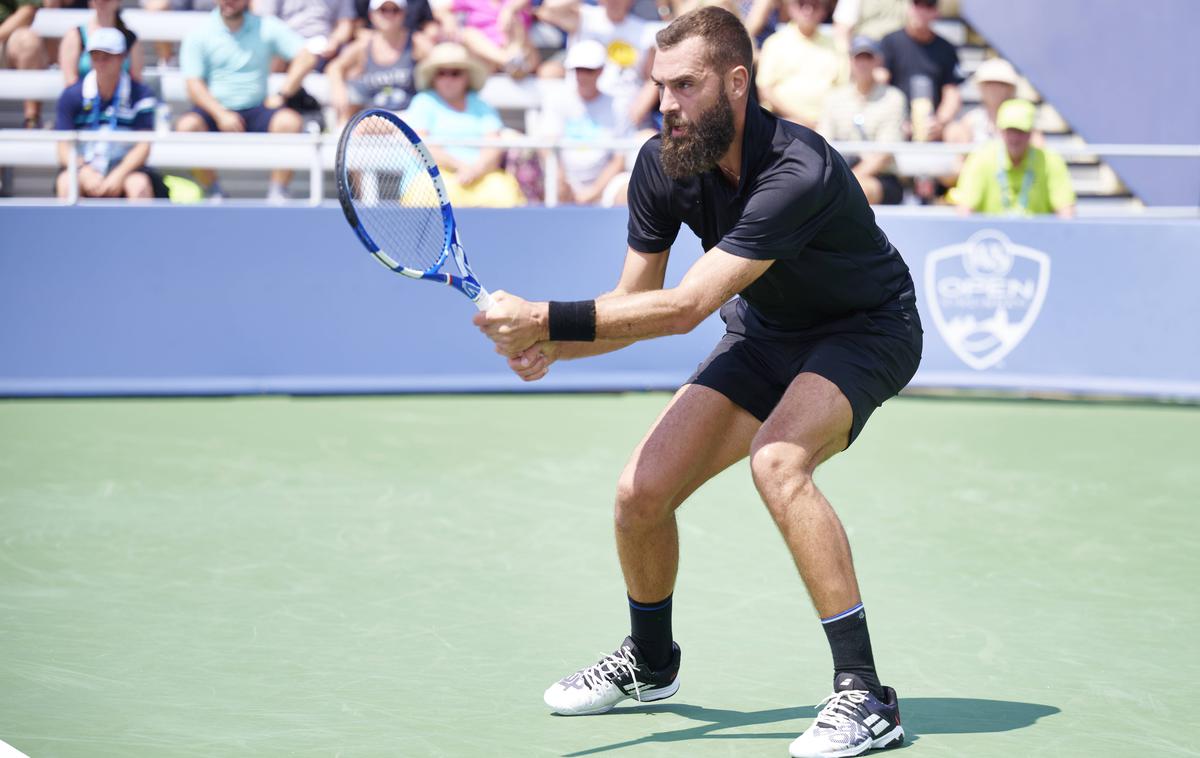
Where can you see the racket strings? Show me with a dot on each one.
(394, 196)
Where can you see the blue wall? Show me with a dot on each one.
(1117, 71)
(198, 300)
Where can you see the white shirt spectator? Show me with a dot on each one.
(571, 117)
(627, 42)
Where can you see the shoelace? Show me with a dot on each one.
(840, 708)
(609, 667)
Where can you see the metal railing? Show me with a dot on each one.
(315, 153)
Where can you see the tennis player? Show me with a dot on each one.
(821, 328)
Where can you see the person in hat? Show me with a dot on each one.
(1010, 176)
(867, 110)
(226, 61)
(74, 60)
(997, 82)
(587, 175)
(497, 32)
(800, 65)
(107, 97)
(376, 69)
(448, 105)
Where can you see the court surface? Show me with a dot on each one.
(404, 576)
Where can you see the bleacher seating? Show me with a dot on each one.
(518, 102)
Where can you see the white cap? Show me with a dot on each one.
(106, 40)
(377, 4)
(586, 53)
(996, 70)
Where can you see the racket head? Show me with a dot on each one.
(392, 194)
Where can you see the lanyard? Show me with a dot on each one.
(1006, 186)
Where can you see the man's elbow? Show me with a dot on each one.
(687, 313)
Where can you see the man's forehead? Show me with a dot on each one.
(682, 60)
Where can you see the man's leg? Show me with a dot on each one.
(698, 435)
(192, 121)
(284, 121)
(811, 424)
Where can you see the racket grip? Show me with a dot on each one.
(484, 301)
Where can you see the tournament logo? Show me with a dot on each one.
(985, 295)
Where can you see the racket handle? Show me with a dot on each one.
(484, 301)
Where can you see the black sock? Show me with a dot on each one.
(650, 628)
(850, 643)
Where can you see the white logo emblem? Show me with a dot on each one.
(985, 295)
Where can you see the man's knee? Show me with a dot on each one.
(782, 471)
(642, 500)
(285, 120)
(191, 122)
(63, 185)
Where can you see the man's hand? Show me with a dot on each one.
(514, 324)
(534, 363)
(229, 121)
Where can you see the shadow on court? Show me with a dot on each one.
(921, 715)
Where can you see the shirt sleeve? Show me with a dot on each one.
(144, 106)
(68, 106)
(191, 58)
(788, 207)
(346, 10)
(1062, 193)
(973, 179)
(954, 72)
(652, 229)
(489, 117)
(286, 43)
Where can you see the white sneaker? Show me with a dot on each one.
(618, 676)
(277, 194)
(851, 722)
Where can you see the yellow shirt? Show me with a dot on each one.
(989, 183)
(801, 71)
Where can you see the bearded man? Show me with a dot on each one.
(822, 328)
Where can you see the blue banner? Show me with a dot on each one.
(228, 300)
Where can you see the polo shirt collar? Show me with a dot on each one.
(757, 136)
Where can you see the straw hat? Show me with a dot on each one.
(996, 70)
(450, 55)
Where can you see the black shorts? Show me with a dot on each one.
(257, 119)
(870, 356)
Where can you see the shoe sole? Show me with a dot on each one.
(659, 694)
(894, 738)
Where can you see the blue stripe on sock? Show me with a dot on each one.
(640, 607)
(843, 614)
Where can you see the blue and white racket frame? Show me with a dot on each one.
(467, 283)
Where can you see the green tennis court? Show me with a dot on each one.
(404, 576)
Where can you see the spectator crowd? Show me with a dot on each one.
(854, 70)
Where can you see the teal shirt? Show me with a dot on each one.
(234, 66)
(429, 114)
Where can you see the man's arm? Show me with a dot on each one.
(298, 68)
(947, 110)
(515, 324)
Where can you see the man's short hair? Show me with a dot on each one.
(727, 44)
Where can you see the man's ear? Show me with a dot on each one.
(737, 82)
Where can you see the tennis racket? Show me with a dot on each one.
(395, 200)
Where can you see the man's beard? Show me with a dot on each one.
(703, 143)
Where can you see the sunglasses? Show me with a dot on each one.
(451, 72)
(390, 9)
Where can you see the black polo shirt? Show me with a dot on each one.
(797, 203)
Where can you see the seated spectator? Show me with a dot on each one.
(868, 111)
(587, 175)
(448, 106)
(163, 50)
(496, 32)
(73, 57)
(418, 20)
(377, 68)
(867, 18)
(108, 98)
(800, 65)
(1008, 176)
(226, 62)
(925, 68)
(997, 82)
(325, 25)
(629, 41)
(22, 48)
